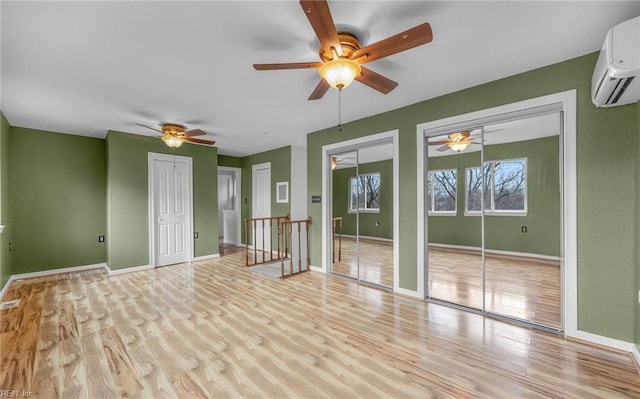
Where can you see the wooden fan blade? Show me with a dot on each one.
(410, 38)
(321, 21)
(287, 65)
(441, 142)
(149, 127)
(194, 132)
(376, 81)
(320, 90)
(199, 141)
(443, 148)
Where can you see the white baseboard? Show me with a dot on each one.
(128, 270)
(636, 355)
(205, 257)
(602, 340)
(390, 240)
(316, 269)
(21, 276)
(497, 252)
(406, 292)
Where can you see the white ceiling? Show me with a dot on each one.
(89, 67)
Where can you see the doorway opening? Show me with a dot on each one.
(229, 219)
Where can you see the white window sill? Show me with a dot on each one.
(364, 211)
(494, 213)
(443, 213)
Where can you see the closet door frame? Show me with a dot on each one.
(327, 212)
(564, 102)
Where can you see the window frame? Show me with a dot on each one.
(363, 210)
(491, 211)
(431, 200)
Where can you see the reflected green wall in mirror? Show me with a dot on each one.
(378, 224)
(504, 232)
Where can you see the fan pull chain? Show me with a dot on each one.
(340, 109)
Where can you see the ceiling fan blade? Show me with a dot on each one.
(149, 127)
(320, 90)
(194, 132)
(441, 142)
(376, 81)
(287, 65)
(199, 141)
(321, 21)
(406, 40)
(443, 148)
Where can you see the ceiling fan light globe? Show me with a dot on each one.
(339, 73)
(172, 141)
(458, 146)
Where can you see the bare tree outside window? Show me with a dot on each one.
(442, 191)
(365, 192)
(504, 186)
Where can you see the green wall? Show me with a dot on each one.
(128, 202)
(280, 159)
(5, 237)
(229, 161)
(504, 232)
(606, 234)
(340, 203)
(57, 200)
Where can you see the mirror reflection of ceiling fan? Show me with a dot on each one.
(459, 141)
(174, 135)
(339, 162)
(342, 57)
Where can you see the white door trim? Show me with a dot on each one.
(151, 157)
(331, 149)
(237, 176)
(567, 101)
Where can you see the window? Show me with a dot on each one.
(365, 193)
(441, 192)
(505, 187)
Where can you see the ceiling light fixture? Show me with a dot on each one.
(340, 72)
(459, 146)
(334, 163)
(172, 141)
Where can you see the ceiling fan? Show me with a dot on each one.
(342, 57)
(174, 135)
(339, 162)
(457, 142)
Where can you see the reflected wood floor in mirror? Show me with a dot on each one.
(376, 260)
(211, 329)
(519, 287)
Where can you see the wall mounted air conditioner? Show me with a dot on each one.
(616, 79)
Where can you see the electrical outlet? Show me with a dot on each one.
(195, 235)
(524, 229)
(100, 238)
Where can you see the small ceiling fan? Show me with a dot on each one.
(342, 56)
(174, 135)
(457, 142)
(339, 162)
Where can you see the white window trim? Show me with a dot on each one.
(444, 213)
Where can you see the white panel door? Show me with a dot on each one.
(262, 204)
(170, 197)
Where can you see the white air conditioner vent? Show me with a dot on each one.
(616, 78)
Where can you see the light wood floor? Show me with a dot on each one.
(517, 287)
(376, 261)
(212, 329)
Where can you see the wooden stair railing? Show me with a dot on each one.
(299, 240)
(271, 224)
